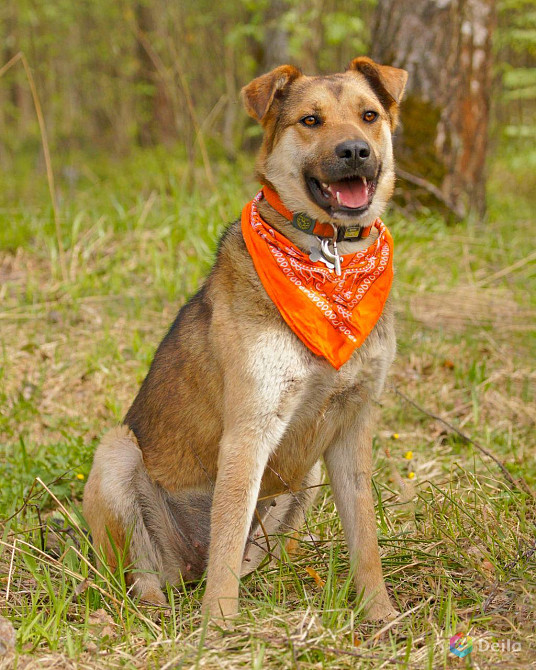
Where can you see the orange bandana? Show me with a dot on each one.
(331, 315)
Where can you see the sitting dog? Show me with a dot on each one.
(274, 364)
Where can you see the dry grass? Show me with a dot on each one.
(457, 537)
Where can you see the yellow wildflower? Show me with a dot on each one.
(80, 476)
(408, 455)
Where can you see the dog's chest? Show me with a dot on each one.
(324, 405)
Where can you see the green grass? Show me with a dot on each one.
(457, 537)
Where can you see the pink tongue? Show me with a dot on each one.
(351, 193)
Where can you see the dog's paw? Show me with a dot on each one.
(156, 598)
(152, 596)
(381, 613)
(220, 610)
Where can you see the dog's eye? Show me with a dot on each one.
(310, 120)
(370, 116)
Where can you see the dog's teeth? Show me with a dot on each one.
(365, 180)
(324, 185)
(338, 196)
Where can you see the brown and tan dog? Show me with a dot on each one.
(221, 448)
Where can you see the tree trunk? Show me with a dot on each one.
(156, 123)
(276, 51)
(445, 45)
(231, 107)
(312, 11)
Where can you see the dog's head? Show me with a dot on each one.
(327, 146)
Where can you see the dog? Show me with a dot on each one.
(258, 380)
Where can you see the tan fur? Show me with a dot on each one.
(221, 449)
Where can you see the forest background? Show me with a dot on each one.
(124, 151)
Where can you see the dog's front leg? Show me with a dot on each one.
(262, 390)
(349, 464)
(242, 460)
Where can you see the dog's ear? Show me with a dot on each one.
(260, 94)
(387, 82)
(392, 80)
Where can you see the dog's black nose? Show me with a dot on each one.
(353, 152)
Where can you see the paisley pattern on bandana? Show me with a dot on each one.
(331, 315)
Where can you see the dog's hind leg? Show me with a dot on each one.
(113, 512)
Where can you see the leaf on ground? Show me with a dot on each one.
(314, 574)
(83, 586)
(488, 566)
(101, 624)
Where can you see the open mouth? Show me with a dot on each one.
(350, 196)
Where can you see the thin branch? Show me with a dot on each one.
(432, 189)
(507, 270)
(162, 73)
(193, 116)
(263, 528)
(522, 556)
(10, 574)
(38, 494)
(44, 141)
(467, 439)
(11, 62)
(304, 512)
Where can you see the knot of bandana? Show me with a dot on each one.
(331, 315)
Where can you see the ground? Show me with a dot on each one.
(455, 497)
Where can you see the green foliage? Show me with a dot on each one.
(515, 46)
(517, 26)
(110, 75)
(520, 84)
